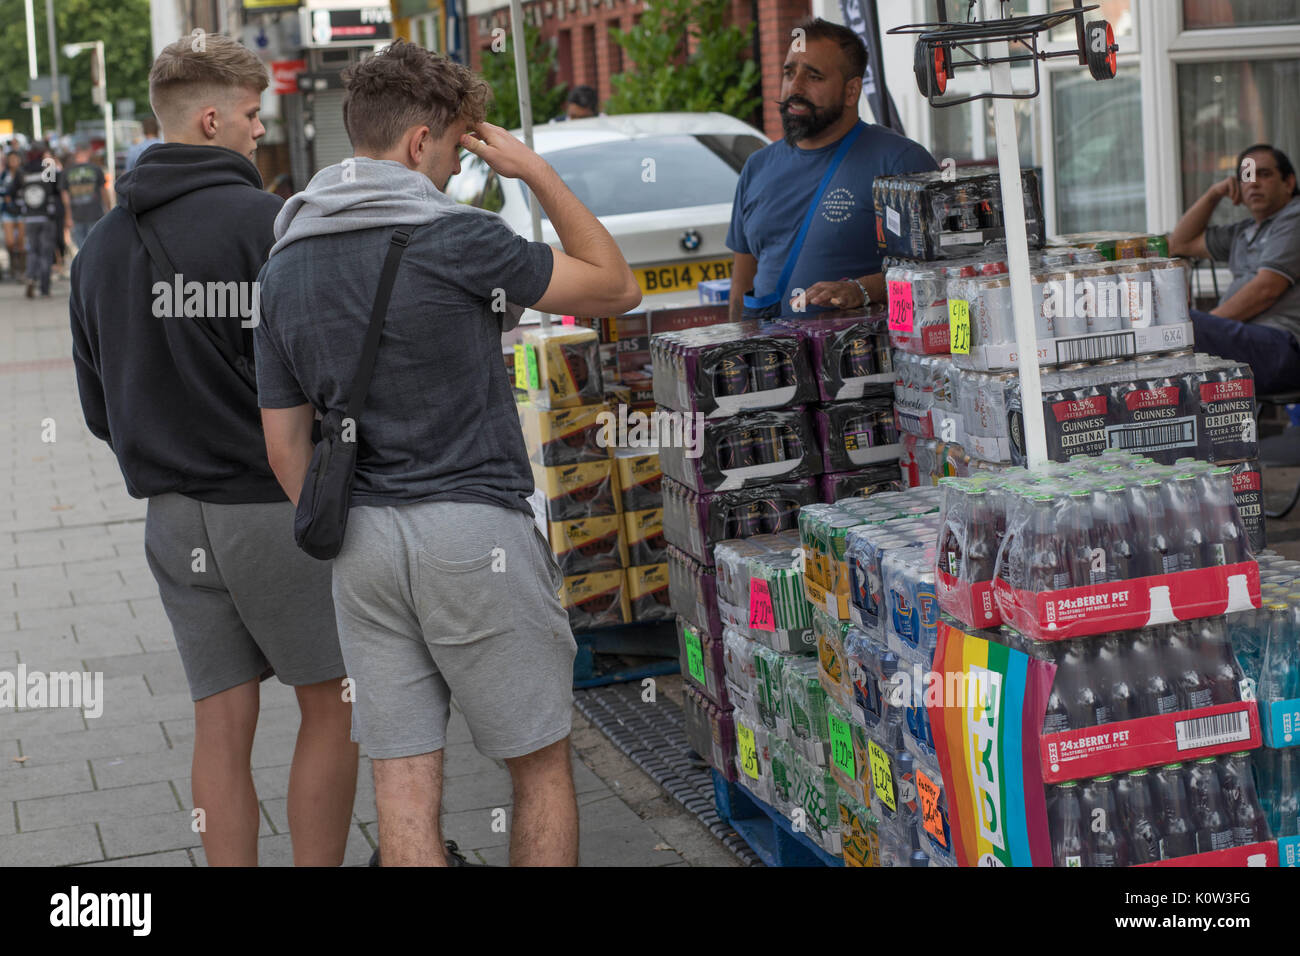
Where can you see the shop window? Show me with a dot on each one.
(1225, 106)
(1100, 176)
(1218, 14)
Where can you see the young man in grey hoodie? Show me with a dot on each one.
(444, 587)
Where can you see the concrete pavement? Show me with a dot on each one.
(76, 595)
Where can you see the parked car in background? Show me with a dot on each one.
(661, 183)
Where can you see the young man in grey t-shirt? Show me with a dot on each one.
(444, 588)
(1258, 319)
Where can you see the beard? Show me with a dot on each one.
(810, 124)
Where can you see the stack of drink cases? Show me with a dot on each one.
(1114, 340)
(1137, 583)
(755, 422)
(604, 502)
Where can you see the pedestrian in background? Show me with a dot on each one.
(150, 127)
(42, 204)
(14, 232)
(176, 399)
(87, 193)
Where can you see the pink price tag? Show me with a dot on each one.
(566, 320)
(900, 307)
(761, 617)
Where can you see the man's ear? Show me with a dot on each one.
(208, 122)
(421, 142)
(853, 90)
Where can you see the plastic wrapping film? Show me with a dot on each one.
(693, 590)
(1122, 549)
(639, 478)
(856, 433)
(562, 366)
(865, 550)
(934, 216)
(703, 659)
(761, 591)
(564, 436)
(696, 521)
(648, 594)
(720, 370)
(746, 450)
(862, 483)
(583, 490)
(1164, 407)
(644, 536)
(849, 353)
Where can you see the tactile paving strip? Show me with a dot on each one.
(653, 736)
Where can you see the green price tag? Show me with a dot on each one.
(694, 656)
(959, 325)
(748, 750)
(521, 372)
(842, 746)
(534, 380)
(882, 779)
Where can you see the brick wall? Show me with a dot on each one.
(589, 56)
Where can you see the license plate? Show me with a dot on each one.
(681, 276)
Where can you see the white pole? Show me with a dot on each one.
(110, 144)
(31, 64)
(525, 112)
(1013, 214)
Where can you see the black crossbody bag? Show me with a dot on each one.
(321, 519)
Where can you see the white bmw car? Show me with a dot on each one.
(661, 183)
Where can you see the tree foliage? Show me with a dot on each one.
(498, 70)
(122, 25)
(720, 75)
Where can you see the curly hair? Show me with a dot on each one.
(405, 85)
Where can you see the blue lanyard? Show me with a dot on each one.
(766, 301)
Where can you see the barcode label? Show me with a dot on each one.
(1154, 437)
(1096, 348)
(1213, 730)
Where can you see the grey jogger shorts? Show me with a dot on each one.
(244, 602)
(448, 599)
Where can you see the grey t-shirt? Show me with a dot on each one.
(1273, 244)
(439, 421)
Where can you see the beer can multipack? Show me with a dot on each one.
(947, 214)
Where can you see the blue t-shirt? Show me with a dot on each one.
(776, 188)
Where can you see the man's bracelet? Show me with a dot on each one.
(866, 299)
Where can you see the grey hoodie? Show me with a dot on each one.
(439, 421)
(363, 193)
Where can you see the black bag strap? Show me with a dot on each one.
(361, 384)
(164, 265)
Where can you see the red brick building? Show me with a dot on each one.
(588, 56)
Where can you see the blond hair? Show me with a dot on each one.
(201, 67)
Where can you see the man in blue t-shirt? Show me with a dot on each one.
(838, 266)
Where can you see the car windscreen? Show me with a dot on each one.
(662, 172)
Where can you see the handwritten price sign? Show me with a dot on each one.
(748, 750)
(931, 819)
(900, 307)
(841, 746)
(882, 778)
(761, 616)
(959, 326)
(694, 655)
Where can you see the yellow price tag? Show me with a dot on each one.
(882, 778)
(521, 367)
(959, 326)
(748, 750)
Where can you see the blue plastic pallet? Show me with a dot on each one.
(642, 639)
(768, 833)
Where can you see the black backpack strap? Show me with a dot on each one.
(361, 384)
(162, 262)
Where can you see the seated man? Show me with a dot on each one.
(1258, 318)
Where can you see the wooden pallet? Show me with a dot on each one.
(768, 833)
